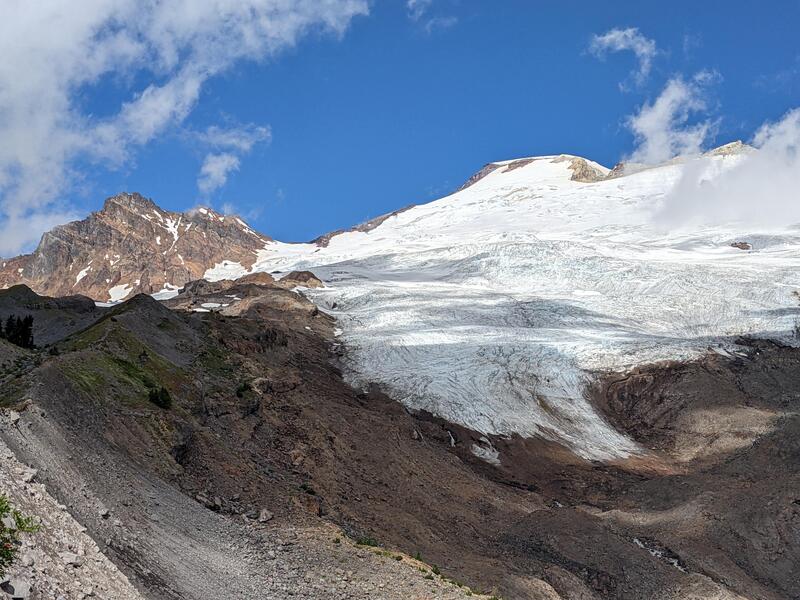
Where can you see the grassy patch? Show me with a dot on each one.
(108, 362)
(367, 541)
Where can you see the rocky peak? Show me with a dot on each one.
(734, 148)
(132, 246)
(132, 201)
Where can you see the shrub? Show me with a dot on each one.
(366, 541)
(242, 389)
(160, 397)
(12, 525)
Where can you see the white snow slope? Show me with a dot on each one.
(494, 306)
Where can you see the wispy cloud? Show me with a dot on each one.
(215, 170)
(418, 8)
(228, 146)
(241, 137)
(664, 129)
(759, 190)
(54, 54)
(619, 40)
(783, 80)
(419, 12)
(440, 23)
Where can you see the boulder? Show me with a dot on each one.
(264, 515)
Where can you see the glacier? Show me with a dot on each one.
(496, 306)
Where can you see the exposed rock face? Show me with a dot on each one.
(629, 168)
(302, 279)
(365, 227)
(485, 170)
(131, 246)
(582, 170)
(734, 148)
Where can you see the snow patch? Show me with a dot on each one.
(227, 269)
(119, 292)
(486, 452)
(661, 554)
(167, 292)
(81, 275)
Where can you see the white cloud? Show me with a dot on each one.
(215, 170)
(235, 142)
(21, 231)
(618, 40)
(54, 53)
(440, 23)
(662, 129)
(761, 190)
(418, 8)
(240, 138)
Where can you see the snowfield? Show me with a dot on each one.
(493, 307)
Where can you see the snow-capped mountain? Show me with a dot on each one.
(494, 307)
(131, 246)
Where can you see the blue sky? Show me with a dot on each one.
(392, 104)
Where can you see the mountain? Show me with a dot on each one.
(530, 384)
(132, 246)
(498, 306)
(268, 476)
(495, 307)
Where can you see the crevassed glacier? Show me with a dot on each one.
(492, 307)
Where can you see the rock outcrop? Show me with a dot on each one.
(132, 246)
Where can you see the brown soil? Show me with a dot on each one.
(262, 417)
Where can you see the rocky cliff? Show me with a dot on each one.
(132, 246)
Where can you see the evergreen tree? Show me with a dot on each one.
(19, 331)
(160, 397)
(10, 328)
(27, 332)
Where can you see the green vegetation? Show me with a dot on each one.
(242, 389)
(108, 362)
(214, 361)
(367, 541)
(12, 525)
(160, 397)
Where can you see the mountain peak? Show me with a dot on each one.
(577, 169)
(133, 246)
(730, 149)
(129, 200)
